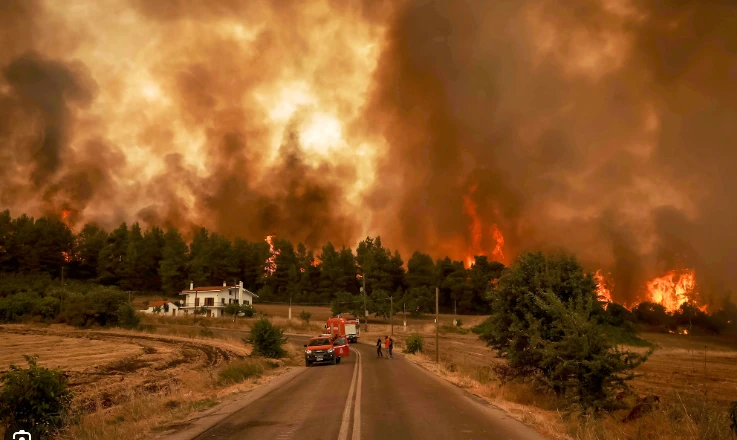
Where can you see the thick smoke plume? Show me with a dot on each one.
(603, 128)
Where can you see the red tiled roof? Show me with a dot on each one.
(206, 289)
(157, 303)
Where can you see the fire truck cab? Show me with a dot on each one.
(341, 326)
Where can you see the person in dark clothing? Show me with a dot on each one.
(391, 347)
(378, 348)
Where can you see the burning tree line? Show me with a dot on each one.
(154, 260)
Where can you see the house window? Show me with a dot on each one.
(223, 301)
(209, 302)
(247, 302)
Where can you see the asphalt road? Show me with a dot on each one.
(367, 398)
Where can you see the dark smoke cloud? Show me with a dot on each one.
(560, 146)
(604, 128)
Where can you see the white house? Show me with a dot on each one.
(164, 307)
(215, 298)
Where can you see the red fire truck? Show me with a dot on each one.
(342, 326)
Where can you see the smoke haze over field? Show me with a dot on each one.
(605, 128)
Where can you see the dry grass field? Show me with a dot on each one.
(695, 378)
(127, 383)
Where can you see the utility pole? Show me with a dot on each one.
(290, 307)
(195, 307)
(61, 302)
(455, 318)
(437, 329)
(365, 311)
(391, 313)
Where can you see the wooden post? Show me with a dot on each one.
(391, 313)
(437, 327)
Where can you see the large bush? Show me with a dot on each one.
(35, 399)
(267, 339)
(547, 323)
(414, 343)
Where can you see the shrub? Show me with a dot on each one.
(247, 310)
(414, 343)
(305, 316)
(35, 399)
(267, 339)
(237, 372)
(546, 322)
(459, 323)
(127, 317)
(733, 417)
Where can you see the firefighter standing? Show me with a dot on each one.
(386, 345)
(378, 348)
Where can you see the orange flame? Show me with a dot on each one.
(498, 253)
(476, 230)
(270, 266)
(601, 289)
(67, 256)
(469, 208)
(315, 262)
(65, 213)
(671, 290)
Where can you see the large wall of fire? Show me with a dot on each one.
(599, 127)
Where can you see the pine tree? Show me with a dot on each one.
(173, 266)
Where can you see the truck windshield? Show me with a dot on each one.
(317, 342)
(340, 341)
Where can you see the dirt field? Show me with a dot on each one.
(106, 366)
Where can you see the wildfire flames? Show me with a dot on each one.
(471, 210)
(601, 289)
(671, 290)
(498, 253)
(270, 265)
(65, 213)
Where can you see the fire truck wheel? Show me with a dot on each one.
(338, 361)
(308, 364)
(334, 361)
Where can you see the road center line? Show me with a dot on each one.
(343, 435)
(357, 410)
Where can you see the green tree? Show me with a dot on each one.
(89, 242)
(419, 300)
(346, 302)
(111, 261)
(133, 263)
(54, 245)
(173, 266)
(35, 399)
(151, 254)
(483, 274)
(421, 271)
(305, 316)
(543, 324)
(199, 267)
(267, 339)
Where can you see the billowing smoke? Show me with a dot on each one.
(603, 128)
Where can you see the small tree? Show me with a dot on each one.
(127, 316)
(414, 343)
(247, 310)
(232, 309)
(35, 398)
(157, 309)
(267, 339)
(305, 316)
(546, 322)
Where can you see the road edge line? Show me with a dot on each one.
(357, 408)
(343, 433)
